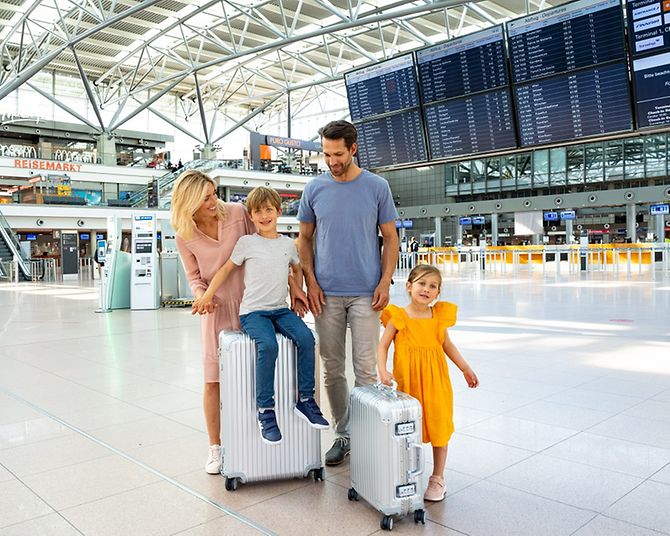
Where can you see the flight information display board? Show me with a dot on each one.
(583, 103)
(648, 26)
(651, 76)
(475, 124)
(388, 86)
(390, 140)
(468, 64)
(565, 38)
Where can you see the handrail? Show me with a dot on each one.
(12, 242)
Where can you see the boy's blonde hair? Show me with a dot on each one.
(261, 195)
(188, 195)
(422, 270)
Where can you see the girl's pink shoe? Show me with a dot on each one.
(436, 489)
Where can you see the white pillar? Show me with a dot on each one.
(494, 229)
(438, 232)
(569, 233)
(631, 231)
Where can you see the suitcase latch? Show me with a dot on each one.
(406, 490)
(404, 428)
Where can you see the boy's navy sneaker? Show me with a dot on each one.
(267, 423)
(309, 410)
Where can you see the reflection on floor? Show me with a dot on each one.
(101, 431)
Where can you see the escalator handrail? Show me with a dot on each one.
(12, 242)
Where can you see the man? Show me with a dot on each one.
(347, 278)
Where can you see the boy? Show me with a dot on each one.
(267, 256)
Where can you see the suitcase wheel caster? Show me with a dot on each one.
(386, 523)
(231, 484)
(420, 516)
(318, 474)
(353, 494)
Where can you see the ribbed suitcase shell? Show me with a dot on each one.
(386, 459)
(245, 455)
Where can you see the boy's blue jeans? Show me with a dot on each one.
(261, 327)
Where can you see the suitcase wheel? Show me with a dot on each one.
(386, 523)
(231, 484)
(318, 474)
(353, 494)
(420, 516)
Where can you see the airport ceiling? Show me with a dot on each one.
(220, 53)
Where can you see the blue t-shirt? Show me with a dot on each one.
(347, 215)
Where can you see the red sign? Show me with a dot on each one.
(48, 165)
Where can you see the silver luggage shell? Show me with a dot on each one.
(246, 458)
(386, 451)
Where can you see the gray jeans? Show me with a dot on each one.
(331, 325)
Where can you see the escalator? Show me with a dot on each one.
(10, 249)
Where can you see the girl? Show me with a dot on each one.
(419, 334)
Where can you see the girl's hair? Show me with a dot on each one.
(422, 270)
(260, 195)
(188, 195)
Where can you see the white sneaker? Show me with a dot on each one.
(213, 466)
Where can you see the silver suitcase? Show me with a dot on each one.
(386, 452)
(246, 458)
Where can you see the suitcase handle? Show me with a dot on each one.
(388, 388)
(419, 460)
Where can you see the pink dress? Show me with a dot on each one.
(202, 257)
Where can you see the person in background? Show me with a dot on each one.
(348, 279)
(206, 231)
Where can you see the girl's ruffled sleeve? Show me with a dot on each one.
(445, 312)
(395, 314)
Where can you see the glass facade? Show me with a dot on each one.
(628, 162)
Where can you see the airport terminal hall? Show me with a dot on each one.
(335, 267)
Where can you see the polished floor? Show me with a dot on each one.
(101, 430)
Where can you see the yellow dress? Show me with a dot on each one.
(420, 366)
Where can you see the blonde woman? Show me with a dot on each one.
(207, 229)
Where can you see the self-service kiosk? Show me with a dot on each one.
(144, 277)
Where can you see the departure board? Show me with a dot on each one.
(468, 64)
(390, 140)
(573, 36)
(475, 124)
(583, 103)
(648, 26)
(651, 76)
(388, 86)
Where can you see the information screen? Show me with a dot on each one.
(652, 90)
(569, 37)
(385, 87)
(390, 140)
(469, 64)
(584, 103)
(648, 26)
(475, 124)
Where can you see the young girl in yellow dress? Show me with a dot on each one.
(419, 334)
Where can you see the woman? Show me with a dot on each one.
(207, 229)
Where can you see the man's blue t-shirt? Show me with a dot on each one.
(346, 257)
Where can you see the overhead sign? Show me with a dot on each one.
(567, 214)
(659, 209)
(466, 220)
(292, 143)
(404, 224)
(48, 165)
(478, 220)
(551, 216)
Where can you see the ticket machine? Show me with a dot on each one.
(144, 277)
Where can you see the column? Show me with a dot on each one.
(569, 234)
(106, 149)
(438, 232)
(631, 232)
(208, 152)
(459, 235)
(660, 228)
(494, 229)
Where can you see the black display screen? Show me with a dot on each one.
(390, 140)
(469, 64)
(583, 103)
(475, 124)
(648, 26)
(388, 86)
(569, 37)
(652, 90)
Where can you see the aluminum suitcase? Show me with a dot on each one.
(246, 458)
(386, 452)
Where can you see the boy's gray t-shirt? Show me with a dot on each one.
(266, 262)
(347, 215)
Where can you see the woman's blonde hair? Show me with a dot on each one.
(422, 270)
(188, 195)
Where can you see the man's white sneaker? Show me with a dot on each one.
(213, 466)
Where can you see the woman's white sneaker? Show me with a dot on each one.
(213, 465)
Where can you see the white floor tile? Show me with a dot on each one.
(481, 458)
(605, 526)
(49, 525)
(645, 506)
(18, 504)
(637, 429)
(562, 415)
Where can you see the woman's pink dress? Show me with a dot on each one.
(202, 257)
